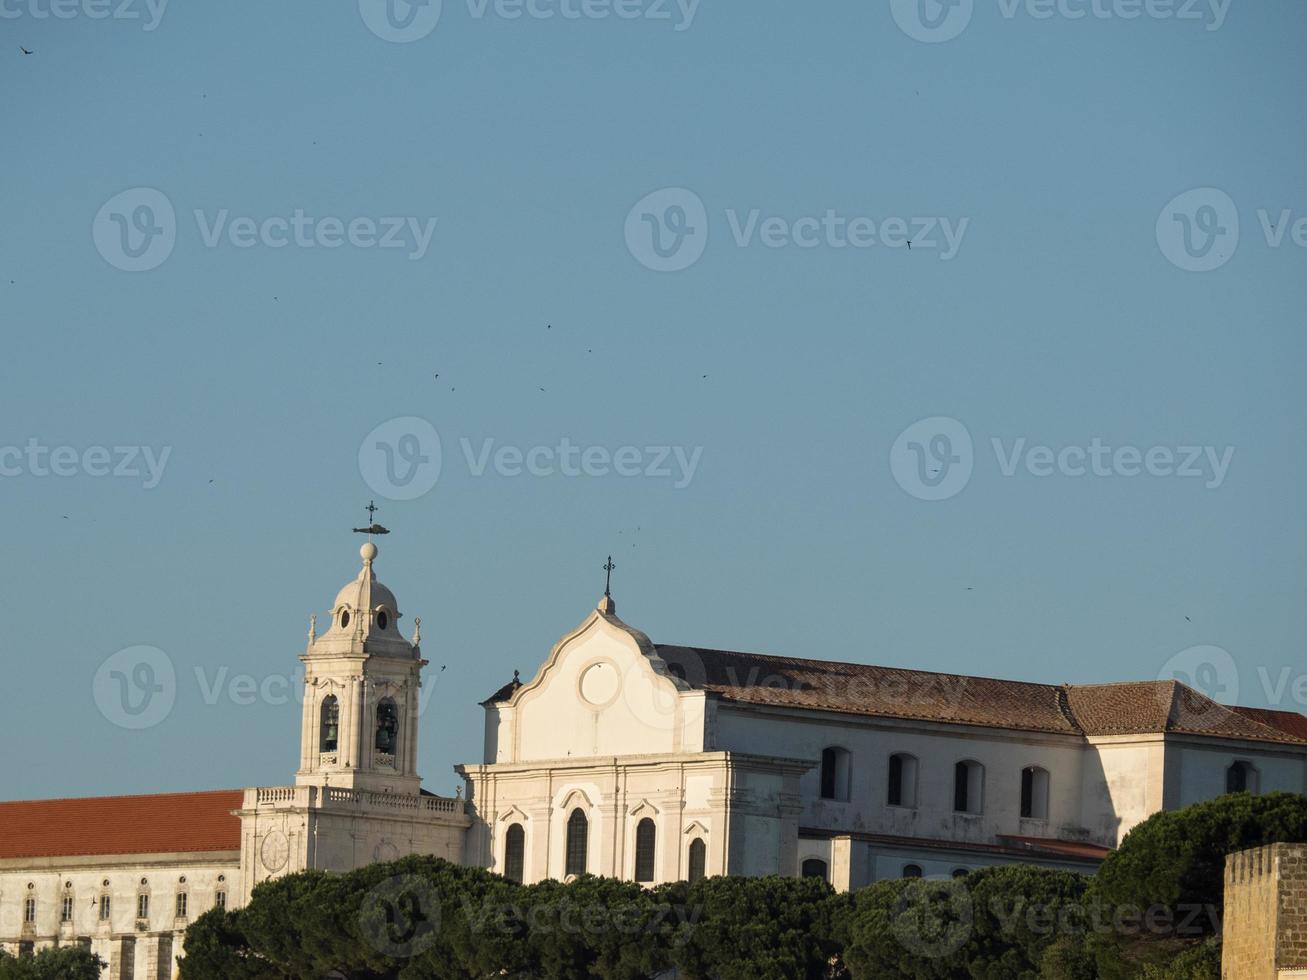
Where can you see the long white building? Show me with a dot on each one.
(649, 762)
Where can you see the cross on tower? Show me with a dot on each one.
(608, 581)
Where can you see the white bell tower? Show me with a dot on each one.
(361, 693)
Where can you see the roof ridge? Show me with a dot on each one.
(854, 663)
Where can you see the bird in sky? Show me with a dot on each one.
(24, 50)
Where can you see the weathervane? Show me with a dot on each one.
(608, 581)
(374, 527)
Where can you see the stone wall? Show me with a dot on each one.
(1265, 931)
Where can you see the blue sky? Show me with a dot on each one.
(1053, 144)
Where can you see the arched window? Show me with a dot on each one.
(515, 853)
(814, 868)
(834, 774)
(578, 838)
(698, 859)
(961, 872)
(645, 837)
(911, 871)
(330, 724)
(29, 910)
(1241, 777)
(902, 780)
(1034, 793)
(387, 726)
(968, 787)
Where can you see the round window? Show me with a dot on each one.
(344, 618)
(382, 619)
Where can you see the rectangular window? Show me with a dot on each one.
(1027, 792)
(220, 900)
(181, 905)
(960, 788)
(896, 780)
(66, 913)
(104, 908)
(142, 906)
(29, 910)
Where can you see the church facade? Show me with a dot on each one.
(649, 762)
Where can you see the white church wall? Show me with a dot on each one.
(601, 697)
(937, 748)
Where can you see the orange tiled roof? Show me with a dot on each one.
(1287, 721)
(156, 824)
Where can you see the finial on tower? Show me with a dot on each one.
(608, 581)
(313, 627)
(417, 630)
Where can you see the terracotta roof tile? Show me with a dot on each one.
(866, 689)
(156, 824)
(1286, 721)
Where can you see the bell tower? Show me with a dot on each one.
(361, 686)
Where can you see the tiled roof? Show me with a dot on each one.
(885, 691)
(1286, 721)
(156, 824)
(1133, 707)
